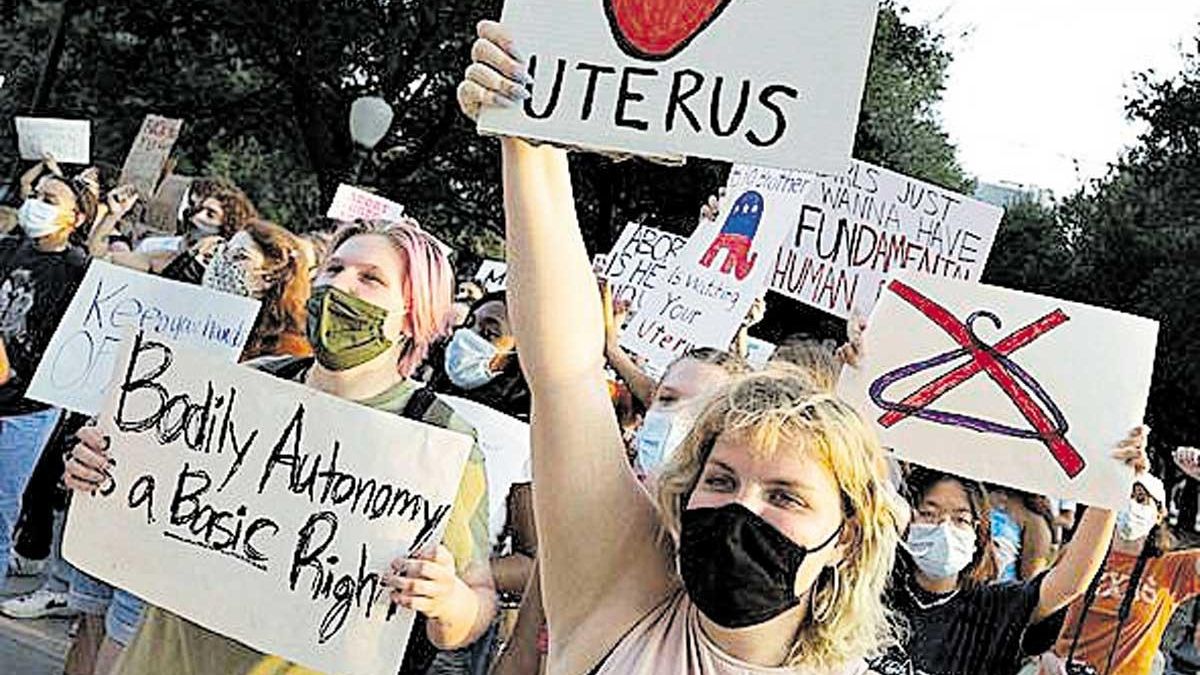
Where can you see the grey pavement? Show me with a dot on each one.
(31, 647)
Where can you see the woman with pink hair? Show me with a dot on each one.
(380, 299)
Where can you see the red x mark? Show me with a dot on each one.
(1066, 455)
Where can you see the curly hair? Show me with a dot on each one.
(780, 410)
(283, 315)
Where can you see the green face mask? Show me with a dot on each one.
(345, 332)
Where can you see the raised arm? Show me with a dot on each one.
(641, 385)
(1070, 576)
(602, 569)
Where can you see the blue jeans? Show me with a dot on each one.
(122, 610)
(22, 439)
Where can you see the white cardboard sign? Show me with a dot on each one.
(857, 229)
(261, 509)
(69, 141)
(759, 353)
(149, 154)
(351, 204)
(640, 255)
(773, 82)
(78, 364)
(1006, 387)
(493, 276)
(702, 298)
(504, 441)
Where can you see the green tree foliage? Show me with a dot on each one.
(1136, 241)
(266, 89)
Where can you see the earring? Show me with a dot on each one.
(822, 615)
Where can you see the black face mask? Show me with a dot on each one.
(738, 569)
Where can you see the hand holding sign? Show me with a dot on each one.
(1188, 460)
(496, 77)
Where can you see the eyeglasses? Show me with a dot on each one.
(959, 519)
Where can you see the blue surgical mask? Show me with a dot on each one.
(940, 551)
(39, 219)
(662, 432)
(469, 358)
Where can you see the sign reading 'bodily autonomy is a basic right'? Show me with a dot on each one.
(111, 304)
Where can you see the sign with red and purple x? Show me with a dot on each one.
(1005, 387)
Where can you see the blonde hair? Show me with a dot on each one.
(780, 409)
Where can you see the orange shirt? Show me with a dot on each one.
(1166, 583)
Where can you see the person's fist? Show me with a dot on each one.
(496, 76)
(428, 584)
(88, 466)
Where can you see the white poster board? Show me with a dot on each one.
(858, 228)
(504, 441)
(351, 204)
(149, 154)
(773, 82)
(79, 362)
(493, 276)
(1006, 387)
(261, 509)
(759, 353)
(703, 297)
(640, 255)
(69, 141)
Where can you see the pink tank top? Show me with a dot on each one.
(669, 641)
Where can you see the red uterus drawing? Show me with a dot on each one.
(656, 30)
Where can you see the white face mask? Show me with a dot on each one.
(1136, 521)
(662, 432)
(940, 551)
(469, 359)
(38, 218)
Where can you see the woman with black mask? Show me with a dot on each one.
(772, 538)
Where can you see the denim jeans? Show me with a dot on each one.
(122, 610)
(22, 439)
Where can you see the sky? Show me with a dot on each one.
(1037, 89)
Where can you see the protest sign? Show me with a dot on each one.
(856, 229)
(261, 509)
(702, 298)
(75, 371)
(351, 204)
(774, 82)
(759, 353)
(504, 441)
(639, 256)
(166, 209)
(69, 141)
(149, 154)
(1005, 387)
(493, 276)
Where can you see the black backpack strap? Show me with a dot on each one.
(284, 367)
(419, 403)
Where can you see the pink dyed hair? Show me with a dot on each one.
(429, 286)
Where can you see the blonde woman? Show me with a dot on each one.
(773, 537)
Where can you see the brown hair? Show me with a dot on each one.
(281, 322)
(239, 210)
(983, 568)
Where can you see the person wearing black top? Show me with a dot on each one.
(39, 273)
(959, 622)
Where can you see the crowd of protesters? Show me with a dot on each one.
(715, 520)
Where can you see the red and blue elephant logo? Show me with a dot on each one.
(737, 237)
